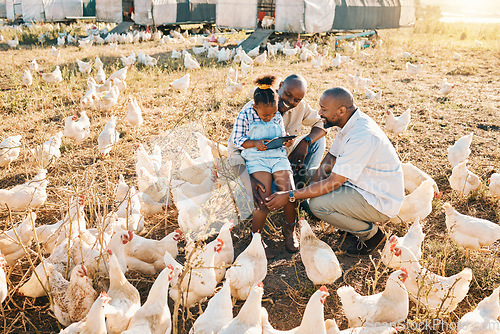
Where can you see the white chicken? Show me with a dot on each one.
(55, 52)
(494, 184)
(196, 170)
(143, 252)
(181, 84)
(463, 180)
(412, 240)
(108, 137)
(128, 61)
(249, 268)
(77, 128)
(203, 142)
(456, 56)
(54, 77)
(249, 319)
(398, 124)
(313, 320)
(3, 281)
(446, 87)
(414, 176)
(337, 61)
(391, 305)
(43, 154)
(33, 66)
(98, 63)
(418, 204)
(120, 74)
(470, 232)
(198, 286)
(460, 151)
(219, 312)
(27, 78)
(289, 52)
(190, 63)
(74, 298)
(414, 69)
(322, 266)
(484, 318)
(234, 87)
(125, 299)
(198, 193)
(10, 148)
(134, 113)
(154, 316)
(12, 241)
(110, 99)
(245, 69)
(261, 59)
(157, 187)
(318, 62)
(31, 194)
(436, 293)
(94, 322)
(151, 162)
(146, 60)
(84, 67)
(13, 43)
(371, 95)
(117, 245)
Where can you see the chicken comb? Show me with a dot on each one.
(393, 239)
(178, 231)
(323, 289)
(404, 270)
(130, 235)
(109, 252)
(171, 267)
(392, 247)
(220, 241)
(260, 285)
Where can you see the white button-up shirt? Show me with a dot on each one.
(366, 157)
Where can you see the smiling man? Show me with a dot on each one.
(360, 180)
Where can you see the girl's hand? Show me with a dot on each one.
(288, 143)
(260, 145)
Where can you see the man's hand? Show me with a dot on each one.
(298, 155)
(277, 200)
(258, 201)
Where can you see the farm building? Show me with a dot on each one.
(144, 12)
(314, 16)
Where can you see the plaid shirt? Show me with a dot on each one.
(246, 116)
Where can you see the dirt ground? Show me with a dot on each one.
(473, 106)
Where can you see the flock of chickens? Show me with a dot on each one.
(84, 261)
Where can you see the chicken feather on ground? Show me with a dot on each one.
(470, 232)
(391, 305)
(322, 266)
(436, 293)
(249, 268)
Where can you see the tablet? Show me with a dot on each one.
(278, 142)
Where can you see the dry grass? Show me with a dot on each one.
(39, 112)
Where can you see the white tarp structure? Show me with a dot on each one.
(57, 10)
(309, 16)
(155, 12)
(9, 9)
(3, 9)
(237, 14)
(108, 11)
(32, 10)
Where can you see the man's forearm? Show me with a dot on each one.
(316, 133)
(320, 188)
(325, 168)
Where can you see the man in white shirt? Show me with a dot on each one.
(360, 180)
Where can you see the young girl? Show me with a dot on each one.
(255, 125)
